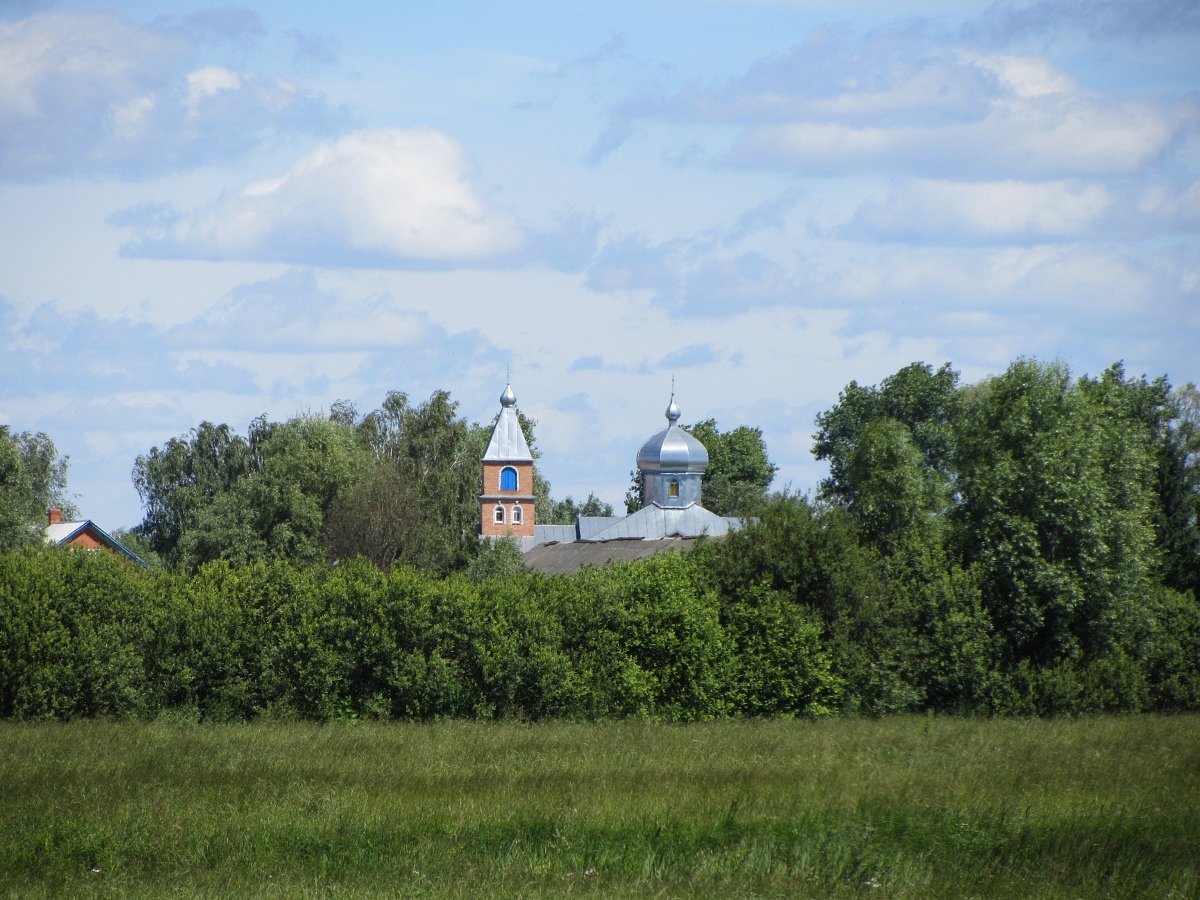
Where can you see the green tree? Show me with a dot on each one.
(213, 494)
(401, 484)
(1024, 521)
(373, 516)
(739, 471)
(497, 558)
(278, 509)
(33, 479)
(1178, 526)
(178, 482)
(567, 512)
(418, 503)
(891, 451)
(896, 493)
(133, 540)
(1058, 505)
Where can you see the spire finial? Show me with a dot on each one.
(672, 407)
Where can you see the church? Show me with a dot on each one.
(672, 465)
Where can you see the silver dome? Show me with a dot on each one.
(672, 449)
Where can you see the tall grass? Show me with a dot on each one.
(907, 807)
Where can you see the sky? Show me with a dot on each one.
(213, 213)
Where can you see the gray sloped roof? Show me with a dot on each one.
(508, 440)
(566, 559)
(654, 522)
(590, 526)
(546, 534)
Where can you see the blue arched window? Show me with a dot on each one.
(508, 479)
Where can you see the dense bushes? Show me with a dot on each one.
(85, 634)
(790, 617)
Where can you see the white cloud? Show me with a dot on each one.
(901, 74)
(1008, 19)
(291, 313)
(906, 100)
(1033, 136)
(373, 197)
(130, 119)
(42, 55)
(208, 82)
(1023, 75)
(1095, 285)
(958, 212)
(89, 93)
(1042, 202)
(1169, 208)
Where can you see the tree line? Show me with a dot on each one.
(1028, 544)
(399, 485)
(793, 616)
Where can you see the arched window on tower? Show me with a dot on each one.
(498, 514)
(508, 479)
(673, 488)
(517, 516)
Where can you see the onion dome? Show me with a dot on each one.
(508, 398)
(672, 449)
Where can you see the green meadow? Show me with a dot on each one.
(894, 807)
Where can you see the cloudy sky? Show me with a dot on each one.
(212, 213)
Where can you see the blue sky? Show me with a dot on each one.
(213, 213)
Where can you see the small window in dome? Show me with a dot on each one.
(673, 488)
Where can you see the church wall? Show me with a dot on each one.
(523, 496)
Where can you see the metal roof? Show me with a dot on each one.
(546, 534)
(672, 449)
(655, 522)
(508, 440)
(590, 526)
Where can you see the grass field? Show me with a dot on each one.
(907, 807)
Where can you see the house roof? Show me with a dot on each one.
(61, 533)
(655, 522)
(566, 559)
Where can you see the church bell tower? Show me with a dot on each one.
(507, 501)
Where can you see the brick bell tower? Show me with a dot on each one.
(507, 502)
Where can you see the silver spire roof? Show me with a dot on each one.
(508, 440)
(672, 449)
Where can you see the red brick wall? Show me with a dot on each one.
(491, 479)
(85, 541)
(508, 499)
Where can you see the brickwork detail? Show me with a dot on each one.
(509, 501)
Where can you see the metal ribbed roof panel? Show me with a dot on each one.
(508, 440)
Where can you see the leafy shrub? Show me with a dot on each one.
(832, 628)
(71, 634)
